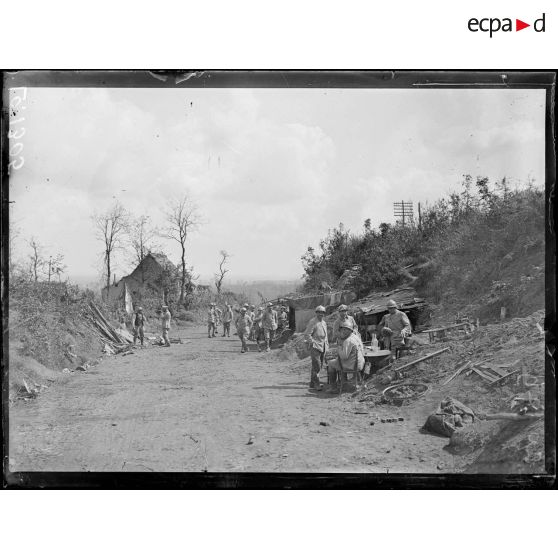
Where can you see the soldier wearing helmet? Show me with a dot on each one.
(350, 357)
(394, 327)
(269, 324)
(316, 336)
(139, 325)
(243, 325)
(165, 324)
(211, 320)
(343, 316)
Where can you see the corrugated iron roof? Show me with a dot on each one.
(406, 298)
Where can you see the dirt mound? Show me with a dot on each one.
(295, 348)
(28, 377)
(517, 448)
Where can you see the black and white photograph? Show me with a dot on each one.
(319, 273)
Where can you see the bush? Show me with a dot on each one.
(186, 316)
(466, 242)
(46, 323)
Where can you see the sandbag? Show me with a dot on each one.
(448, 417)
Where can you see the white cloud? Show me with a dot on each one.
(271, 170)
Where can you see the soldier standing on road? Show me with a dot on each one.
(218, 316)
(269, 323)
(139, 323)
(211, 317)
(227, 319)
(316, 336)
(243, 325)
(165, 324)
(251, 311)
(257, 328)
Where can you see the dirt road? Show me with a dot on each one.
(195, 406)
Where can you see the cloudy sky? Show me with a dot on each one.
(270, 169)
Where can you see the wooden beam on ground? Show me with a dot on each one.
(513, 416)
(457, 372)
(484, 375)
(426, 357)
(506, 376)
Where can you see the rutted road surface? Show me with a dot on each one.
(195, 406)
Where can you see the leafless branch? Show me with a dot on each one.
(225, 256)
(110, 229)
(182, 217)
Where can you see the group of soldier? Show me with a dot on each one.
(140, 321)
(260, 325)
(393, 328)
(263, 324)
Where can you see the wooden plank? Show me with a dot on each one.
(444, 328)
(506, 376)
(484, 375)
(513, 416)
(498, 370)
(490, 371)
(426, 357)
(457, 372)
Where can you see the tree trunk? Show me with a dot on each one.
(183, 278)
(107, 256)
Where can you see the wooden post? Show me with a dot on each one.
(403, 206)
(420, 217)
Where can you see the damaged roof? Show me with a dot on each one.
(375, 303)
(309, 301)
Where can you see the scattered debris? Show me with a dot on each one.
(457, 372)
(441, 332)
(402, 393)
(112, 339)
(426, 357)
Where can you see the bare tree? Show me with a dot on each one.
(110, 228)
(183, 217)
(142, 234)
(36, 258)
(56, 266)
(220, 275)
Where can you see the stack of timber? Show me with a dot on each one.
(102, 328)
